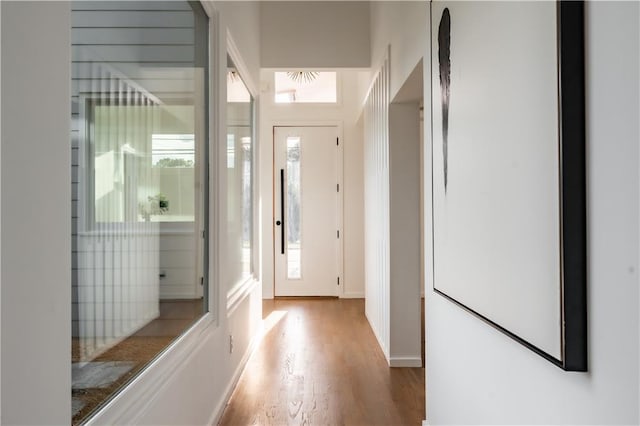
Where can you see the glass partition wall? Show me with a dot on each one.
(139, 167)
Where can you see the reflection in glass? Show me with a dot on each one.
(239, 176)
(174, 167)
(294, 237)
(247, 204)
(138, 150)
(231, 151)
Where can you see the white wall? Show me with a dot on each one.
(404, 26)
(315, 34)
(190, 382)
(0, 213)
(345, 113)
(36, 211)
(495, 380)
(242, 18)
(404, 235)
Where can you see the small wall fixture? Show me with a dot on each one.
(303, 76)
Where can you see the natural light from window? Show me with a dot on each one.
(305, 87)
(236, 90)
(173, 150)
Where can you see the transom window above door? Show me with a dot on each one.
(305, 87)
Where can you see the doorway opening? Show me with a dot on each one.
(307, 211)
(406, 177)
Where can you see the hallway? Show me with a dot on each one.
(319, 363)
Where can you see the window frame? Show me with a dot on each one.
(159, 369)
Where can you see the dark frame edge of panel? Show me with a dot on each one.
(574, 223)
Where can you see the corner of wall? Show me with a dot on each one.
(0, 207)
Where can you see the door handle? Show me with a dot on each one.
(281, 221)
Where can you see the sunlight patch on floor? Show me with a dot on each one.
(270, 321)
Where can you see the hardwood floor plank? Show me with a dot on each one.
(320, 364)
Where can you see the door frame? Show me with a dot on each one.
(340, 201)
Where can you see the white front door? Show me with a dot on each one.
(306, 222)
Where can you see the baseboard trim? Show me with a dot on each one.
(237, 374)
(383, 347)
(178, 295)
(353, 295)
(405, 361)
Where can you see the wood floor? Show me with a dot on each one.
(320, 364)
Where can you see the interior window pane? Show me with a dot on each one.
(305, 87)
(138, 148)
(294, 225)
(239, 176)
(247, 205)
(231, 150)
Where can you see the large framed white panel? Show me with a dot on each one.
(499, 180)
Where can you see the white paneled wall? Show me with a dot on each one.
(117, 291)
(376, 206)
(179, 277)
